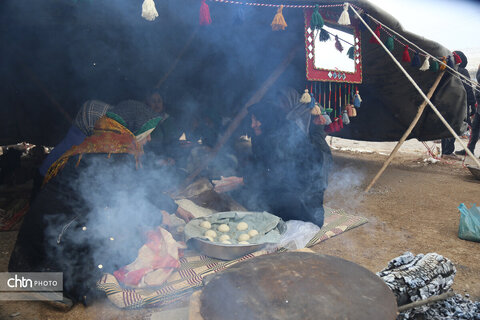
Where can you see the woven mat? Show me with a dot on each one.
(194, 267)
(12, 214)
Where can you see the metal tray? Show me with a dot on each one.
(229, 251)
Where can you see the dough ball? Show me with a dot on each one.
(243, 237)
(242, 226)
(205, 224)
(209, 238)
(226, 242)
(252, 233)
(224, 237)
(223, 228)
(210, 233)
(243, 242)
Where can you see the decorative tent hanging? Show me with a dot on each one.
(324, 61)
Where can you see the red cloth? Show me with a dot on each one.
(156, 260)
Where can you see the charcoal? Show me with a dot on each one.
(418, 277)
(413, 278)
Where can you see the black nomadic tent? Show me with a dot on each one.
(58, 53)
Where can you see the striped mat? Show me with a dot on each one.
(194, 267)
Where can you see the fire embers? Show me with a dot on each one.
(456, 307)
(413, 278)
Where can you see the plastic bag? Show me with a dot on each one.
(298, 234)
(469, 227)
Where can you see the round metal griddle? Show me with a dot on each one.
(297, 285)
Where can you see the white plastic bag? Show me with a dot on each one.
(298, 234)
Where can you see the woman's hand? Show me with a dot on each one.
(184, 214)
(227, 184)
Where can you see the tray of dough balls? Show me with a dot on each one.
(233, 234)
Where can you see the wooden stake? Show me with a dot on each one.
(407, 133)
(432, 299)
(243, 112)
(470, 154)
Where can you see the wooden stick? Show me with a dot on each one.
(179, 56)
(432, 299)
(407, 75)
(407, 133)
(242, 113)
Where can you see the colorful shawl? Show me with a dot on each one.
(109, 136)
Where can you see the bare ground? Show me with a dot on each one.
(413, 207)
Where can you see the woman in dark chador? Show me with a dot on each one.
(288, 173)
(97, 201)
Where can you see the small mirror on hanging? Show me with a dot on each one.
(333, 51)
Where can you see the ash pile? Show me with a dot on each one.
(414, 278)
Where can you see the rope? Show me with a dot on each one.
(418, 89)
(255, 4)
(474, 85)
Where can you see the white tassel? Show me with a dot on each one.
(149, 12)
(344, 17)
(306, 98)
(426, 64)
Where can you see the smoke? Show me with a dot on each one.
(112, 205)
(345, 188)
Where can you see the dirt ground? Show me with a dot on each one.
(412, 207)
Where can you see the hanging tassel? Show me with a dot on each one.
(357, 100)
(316, 111)
(458, 60)
(306, 98)
(340, 123)
(324, 35)
(344, 17)
(377, 32)
(426, 64)
(443, 64)
(434, 66)
(149, 12)
(416, 60)
(278, 22)
(205, 14)
(450, 62)
(389, 43)
(345, 118)
(328, 121)
(338, 45)
(351, 52)
(316, 22)
(406, 55)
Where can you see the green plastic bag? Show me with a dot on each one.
(469, 228)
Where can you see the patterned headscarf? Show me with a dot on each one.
(119, 131)
(135, 116)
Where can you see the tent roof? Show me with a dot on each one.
(60, 54)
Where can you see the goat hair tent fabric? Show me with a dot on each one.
(58, 54)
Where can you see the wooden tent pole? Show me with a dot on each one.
(470, 154)
(257, 96)
(179, 56)
(407, 133)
